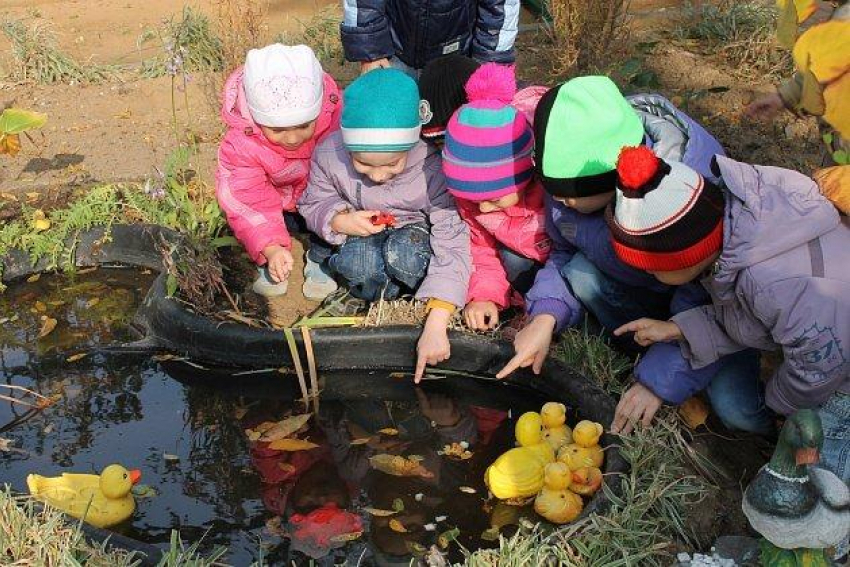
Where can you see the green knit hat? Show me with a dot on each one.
(381, 112)
(580, 127)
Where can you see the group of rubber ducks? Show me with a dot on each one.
(553, 463)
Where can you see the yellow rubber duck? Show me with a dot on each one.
(556, 431)
(101, 500)
(518, 473)
(556, 502)
(584, 451)
(586, 481)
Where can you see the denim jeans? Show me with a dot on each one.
(737, 395)
(384, 264)
(835, 418)
(519, 270)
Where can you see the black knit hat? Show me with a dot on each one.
(441, 85)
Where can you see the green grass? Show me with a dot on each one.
(189, 45)
(321, 33)
(37, 58)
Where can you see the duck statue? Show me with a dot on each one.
(799, 509)
(555, 429)
(100, 500)
(518, 473)
(584, 451)
(556, 502)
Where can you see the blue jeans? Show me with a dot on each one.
(384, 264)
(835, 418)
(737, 395)
(519, 270)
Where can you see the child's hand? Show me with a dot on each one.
(638, 404)
(367, 66)
(356, 223)
(764, 107)
(648, 331)
(433, 346)
(531, 345)
(481, 315)
(280, 262)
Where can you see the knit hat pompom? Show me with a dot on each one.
(636, 166)
(492, 81)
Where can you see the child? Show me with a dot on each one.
(580, 127)
(442, 86)
(378, 167)
(489, 169)
(408, 34)
(277, 108)
(771, 288)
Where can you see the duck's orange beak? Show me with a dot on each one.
(806, 456)
(135, 475)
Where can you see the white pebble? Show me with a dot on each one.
(440, 518)
(683, 557)
(418, 497)
(430, 527)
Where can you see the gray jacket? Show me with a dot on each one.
(782, 282)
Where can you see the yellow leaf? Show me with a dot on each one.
(10, 144)
(786, 25)
(292, 445)
(34, 278)
(286, 467)
(47, 327)
(811, 98)
(92, 302)
(694, 412)
(378, 512)
(40, 307)
(397, 526)
(286, 427)
(40, 221)
(361, 441)
(8, 197)
(343, 538)
(265, 426)
(32, 196)
(397, 465)
(390, 431)
(253, 435)
(76, 357)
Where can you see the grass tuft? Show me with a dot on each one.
(189, 45)
(37, 57)
(742, 34)
(591, 356)
(585, 33)
(321, 33)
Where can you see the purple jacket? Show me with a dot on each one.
(782, 282)
(674, 136)
(417, 194)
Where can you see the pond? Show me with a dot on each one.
(189, 430)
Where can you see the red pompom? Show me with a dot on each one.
(636, 167)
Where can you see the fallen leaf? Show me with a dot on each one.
(253, 435)
(144, 491)
(286, 467)
(457, 451)
(34, 278)
(447, 537)
(76, 357)
(379, 512)
(343, 538)
(292, 445)
(32, 196)
(286, 427)
(491, 534)
(40, 221)
(47, 327)
(467, 489)
(415, 458)
(10, 144)
(398, 505)
(397, 465)
(42, 403)
(8, 197)
(390, 431)
(694, 412)
(265, 426)
(92, 302)
(397, 526)
(170, 457)
(40, 307)
(361, 441)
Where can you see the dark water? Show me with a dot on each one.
(184, 427)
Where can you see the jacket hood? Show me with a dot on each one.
(769, 211)
(235, 114)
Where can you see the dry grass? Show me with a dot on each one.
(321, 33)
(240, 27)
(586, 34)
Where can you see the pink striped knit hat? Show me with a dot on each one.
(489, 143)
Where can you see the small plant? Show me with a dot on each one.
(591, 356)
(320, 33)
(13, 123)
(240, 25)
(189, 44)
(743, 34)
(37, 57)
(585, 33)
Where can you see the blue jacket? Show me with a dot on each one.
(674, 136)
(417, 31)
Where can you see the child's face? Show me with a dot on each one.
(681, 277)
(291, 137)
(499, 204)
(587, 205)
(379, 167)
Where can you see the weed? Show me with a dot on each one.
(743, 34)
(591, 356)
(321, 33)
(586, 32)
(240, 25)
(37, 57)
(189, 45)
(178, 555)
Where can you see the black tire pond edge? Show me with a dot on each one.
(169, 326)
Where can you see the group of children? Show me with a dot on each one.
(471, 194)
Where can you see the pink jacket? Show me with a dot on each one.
(256, 181)
(521, 228)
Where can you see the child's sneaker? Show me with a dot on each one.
(317, 284)
(266, 286)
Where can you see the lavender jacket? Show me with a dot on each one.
(417, 194)
(782, 282)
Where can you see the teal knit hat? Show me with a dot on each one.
(381, 112)
(580, 128)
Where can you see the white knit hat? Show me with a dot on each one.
(283, 85)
